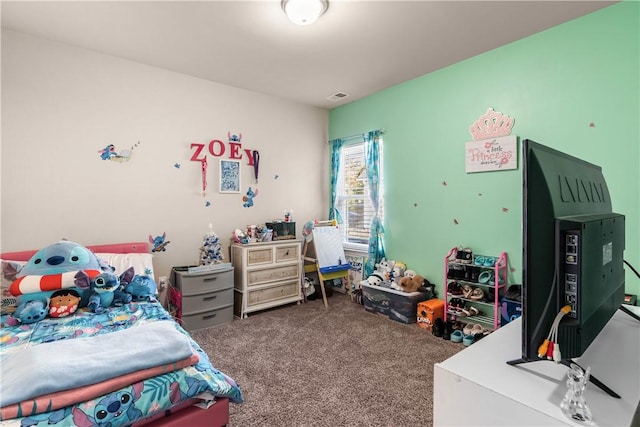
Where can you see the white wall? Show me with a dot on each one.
(62, 104)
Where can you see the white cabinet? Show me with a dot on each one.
(267, 275)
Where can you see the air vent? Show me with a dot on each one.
(337, 96)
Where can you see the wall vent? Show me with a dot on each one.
(337, 96)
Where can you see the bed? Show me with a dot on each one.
(129, 364)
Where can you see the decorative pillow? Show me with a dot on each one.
(142, 263)
(8, 300)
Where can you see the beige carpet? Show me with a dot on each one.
(304, 365)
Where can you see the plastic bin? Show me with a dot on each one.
(396, 305)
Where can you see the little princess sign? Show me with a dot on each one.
(491, 154)
(493, 148)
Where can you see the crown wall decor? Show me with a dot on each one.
(491, 124)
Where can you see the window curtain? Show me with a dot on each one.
(376, 234)
(336, 151)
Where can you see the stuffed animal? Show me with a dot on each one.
(63, 303)
(384, 268)
(141, 288)
(29, 312)
(411, 284)
(51, 268)
(104, 290)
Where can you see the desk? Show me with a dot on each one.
(477, 387)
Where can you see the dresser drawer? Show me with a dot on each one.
(207, 319)
(287, 253)
(206, 301)
(273, 293)
(259, 277)
(259, 256)
(197, 283)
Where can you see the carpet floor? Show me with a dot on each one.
(304, 365)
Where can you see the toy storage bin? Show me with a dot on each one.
(396, 305)
(428, 311)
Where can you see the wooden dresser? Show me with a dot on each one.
(268, 274)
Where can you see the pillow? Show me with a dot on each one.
(8, 300)
(142, 263)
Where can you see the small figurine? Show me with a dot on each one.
(574, 406)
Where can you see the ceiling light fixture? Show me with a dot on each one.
(304, 12)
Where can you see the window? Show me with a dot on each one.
(353, 201)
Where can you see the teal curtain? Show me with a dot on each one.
(336, 151)
(376, 234)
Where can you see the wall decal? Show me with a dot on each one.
(229, 176)
(159, 242)
(110, 153)
(217, 148)
(248, 197)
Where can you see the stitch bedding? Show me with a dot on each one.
(137, 364)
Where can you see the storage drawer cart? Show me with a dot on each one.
(207, 296)
(269, 274)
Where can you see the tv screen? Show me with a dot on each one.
(573, 248)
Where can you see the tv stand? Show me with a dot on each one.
(629, 312)
(568, 362)
(530, 394)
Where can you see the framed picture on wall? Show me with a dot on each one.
(229, 176)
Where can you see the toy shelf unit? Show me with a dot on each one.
(473, 287)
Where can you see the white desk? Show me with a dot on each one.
(476, 387)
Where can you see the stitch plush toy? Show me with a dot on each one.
(51, 268)
(29, 312)
(104, 290)
(141, 288)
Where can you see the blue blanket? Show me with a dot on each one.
(68, 364)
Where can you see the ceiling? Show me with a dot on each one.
(357, 47)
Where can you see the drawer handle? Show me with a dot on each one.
(209, 316)
(209, 279)
(209, 298)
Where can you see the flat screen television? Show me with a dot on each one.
(573, 248)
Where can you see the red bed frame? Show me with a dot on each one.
(185, 414)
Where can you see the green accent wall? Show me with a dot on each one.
(574, 87)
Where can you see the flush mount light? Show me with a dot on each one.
(304, 12)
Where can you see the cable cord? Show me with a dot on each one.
(546, 308)
(631, 267)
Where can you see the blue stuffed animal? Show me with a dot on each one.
(30, 311)
(104, 290)
(141, 288)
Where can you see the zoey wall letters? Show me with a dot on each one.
(217, 148)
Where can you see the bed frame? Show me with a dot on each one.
(185, 414)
